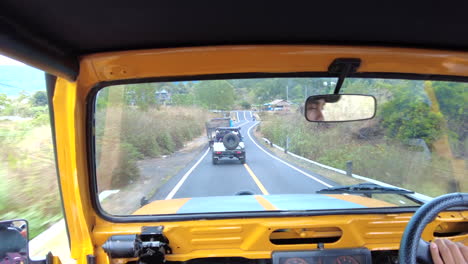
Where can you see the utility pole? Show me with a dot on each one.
(287, 92)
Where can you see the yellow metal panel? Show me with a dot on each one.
(250, 238)
(69, 131)
(269, 59)
(162, 207)
(56, 260)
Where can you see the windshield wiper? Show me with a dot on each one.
(367, 189)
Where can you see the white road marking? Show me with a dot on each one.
(237, 114)
(243, 123)
(245, 118)
(285, 163)
(179, 184)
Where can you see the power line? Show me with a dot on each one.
(4, 84)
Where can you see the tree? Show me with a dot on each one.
(39, 98)
(183, 99)
(142, 95)
(452, 98)
(246, 105)
(408, 116)
(218, 94)
(270, 89)
(4, 101)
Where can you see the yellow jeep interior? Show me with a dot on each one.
(83, 46)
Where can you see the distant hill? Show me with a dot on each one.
(14, 79)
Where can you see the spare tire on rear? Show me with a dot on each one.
(231, 141)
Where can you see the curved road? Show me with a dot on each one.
(263, 173)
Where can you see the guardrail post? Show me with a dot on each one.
(454, 186)
(349, 168)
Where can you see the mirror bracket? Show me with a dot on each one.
(343, 67)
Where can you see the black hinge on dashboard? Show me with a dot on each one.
(150, 246)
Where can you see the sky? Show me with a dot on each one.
(7, 61)
(16, 77)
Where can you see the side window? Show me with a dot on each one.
(28, 180)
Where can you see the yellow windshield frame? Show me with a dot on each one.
(87, 230)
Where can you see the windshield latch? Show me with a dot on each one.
(151, 246)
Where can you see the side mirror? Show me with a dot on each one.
(14, 242)
(340, 107)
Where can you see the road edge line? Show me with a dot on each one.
(179, 184)
(284, 162)
(416, 195)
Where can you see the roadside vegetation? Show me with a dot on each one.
(383, 159)
(130, 127)
(129, 133)
(28, 181)
(401, 146)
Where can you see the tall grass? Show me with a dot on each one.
(373, 156)
(126, 134)
(28, 181)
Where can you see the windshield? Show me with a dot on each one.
(244, 145)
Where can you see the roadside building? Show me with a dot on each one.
(163, 97)
(278, 105)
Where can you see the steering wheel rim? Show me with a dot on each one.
(410, 240)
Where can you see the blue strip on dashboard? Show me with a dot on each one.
(309, 202)
(241, 203)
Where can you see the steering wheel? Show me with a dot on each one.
(412, 247)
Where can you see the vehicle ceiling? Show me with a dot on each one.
(68, 29)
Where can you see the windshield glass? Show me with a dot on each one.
(244, 145)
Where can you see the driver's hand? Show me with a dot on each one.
(444, 251)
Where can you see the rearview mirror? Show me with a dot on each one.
(14, 242)
(339, 107)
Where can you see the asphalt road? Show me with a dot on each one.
(263, 173)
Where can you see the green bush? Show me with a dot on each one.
(126, 170)
(166, 142)
(410, 120)
(246, 105)
(41, 120)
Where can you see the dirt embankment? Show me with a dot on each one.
(155, 172)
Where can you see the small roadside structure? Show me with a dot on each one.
(163, 97)
(278, 105)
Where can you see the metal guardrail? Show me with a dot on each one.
(417, 196)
